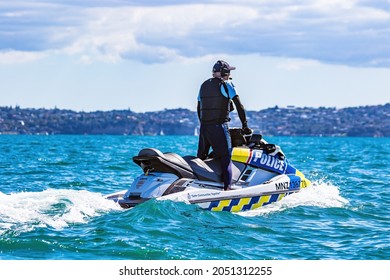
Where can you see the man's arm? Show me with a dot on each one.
(198, 110)
(240, 111)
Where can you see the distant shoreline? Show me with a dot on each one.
(364, 121)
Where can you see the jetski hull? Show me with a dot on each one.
(238, 200)
(209, 195)
(260, 175)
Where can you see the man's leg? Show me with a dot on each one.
(226, 165)
(221, 143)
(203, 144)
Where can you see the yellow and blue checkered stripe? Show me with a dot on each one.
(244, 204)
(244, 155)
(297, 182)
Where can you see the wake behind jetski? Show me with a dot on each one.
(261, 175)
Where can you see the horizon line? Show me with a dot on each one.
(181, 108)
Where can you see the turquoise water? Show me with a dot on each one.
(52, 205)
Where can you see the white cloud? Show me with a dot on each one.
(347, 32)
(150, 33)
(297, 64)
(15, 57)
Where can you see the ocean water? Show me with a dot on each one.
(52, 204)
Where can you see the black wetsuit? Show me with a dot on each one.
(214, 104)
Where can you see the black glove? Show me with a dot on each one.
(246, 130)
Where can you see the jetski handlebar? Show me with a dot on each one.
(253, 141)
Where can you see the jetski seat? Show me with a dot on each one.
(151, 159)
(204, 171)
(210, 169)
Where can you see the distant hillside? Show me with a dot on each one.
(369, 121)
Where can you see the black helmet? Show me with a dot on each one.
(223, 67)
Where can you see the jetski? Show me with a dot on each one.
(261, 175)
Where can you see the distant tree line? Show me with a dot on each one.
(368, 121)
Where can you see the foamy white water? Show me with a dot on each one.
(319, 194)
(53, 208)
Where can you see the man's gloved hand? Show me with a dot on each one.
(246, 130)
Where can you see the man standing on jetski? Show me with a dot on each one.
(214, 105)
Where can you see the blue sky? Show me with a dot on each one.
(151, 55)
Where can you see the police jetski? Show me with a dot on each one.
(261, 175)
